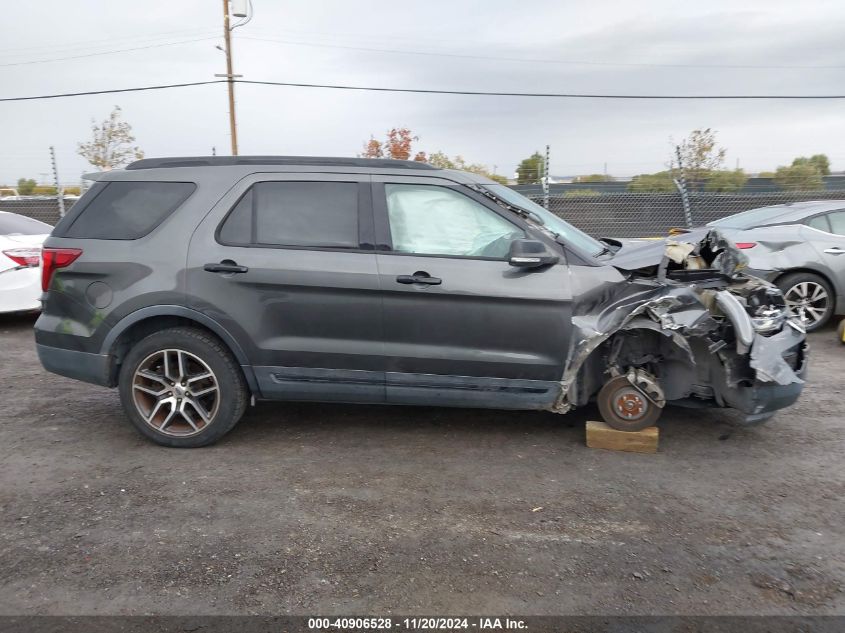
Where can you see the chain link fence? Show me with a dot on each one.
(610, 214)
(44, 208)
(654, 214)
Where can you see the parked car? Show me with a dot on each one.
(197, 285)
(800, 247)
(20, 262)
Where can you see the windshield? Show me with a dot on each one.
(753, 218)
(564, 229)
(14, 224)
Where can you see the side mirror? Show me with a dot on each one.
(530, 254)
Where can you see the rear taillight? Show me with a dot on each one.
(744, 245)
(54, 258)
(25, 257)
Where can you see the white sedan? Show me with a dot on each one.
(20, 262)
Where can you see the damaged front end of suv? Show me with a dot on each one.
(685, 326)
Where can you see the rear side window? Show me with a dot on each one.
(837, 222)
(303, 214)
(819, 222)
(129, 210)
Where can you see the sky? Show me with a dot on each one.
(606, 47)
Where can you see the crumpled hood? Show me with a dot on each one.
(716, 252)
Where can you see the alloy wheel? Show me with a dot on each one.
(807, 301)
(175, 392)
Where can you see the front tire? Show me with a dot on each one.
(808, 297)
(182, 388)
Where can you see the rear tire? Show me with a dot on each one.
(808, 297)
(182, 388)
(625, 408)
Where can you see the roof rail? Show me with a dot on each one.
(317, 161)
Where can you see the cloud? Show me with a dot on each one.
(631, 137)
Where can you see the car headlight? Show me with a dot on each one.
(769, 319)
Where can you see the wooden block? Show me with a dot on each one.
(599, 435)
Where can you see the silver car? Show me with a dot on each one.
(799, 247)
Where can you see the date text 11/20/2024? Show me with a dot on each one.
(417, 624)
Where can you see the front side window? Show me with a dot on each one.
(129, 210)
(303, 214)
(434, 220)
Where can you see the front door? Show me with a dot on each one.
(285, 263)
(461, 326)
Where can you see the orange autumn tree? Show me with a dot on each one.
(397, 145)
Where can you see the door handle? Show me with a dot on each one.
(226, 266)
(835, 251)
(419, 278)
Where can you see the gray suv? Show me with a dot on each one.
(198, 285)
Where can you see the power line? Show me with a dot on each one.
(540, 61)
(533, 94)
(94, 43)
(477, 93)
(114, 90)
(122, 50)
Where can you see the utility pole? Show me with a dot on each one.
(230, 78)
(60, 195)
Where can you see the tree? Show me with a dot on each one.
(530, 170)
(726, 181)
(819, 161)
(661, 182)
(26, 186)
(372, 149)
(398, 145)
(442, 160)
(799, 177)
(111, 146)
(699, 156)
(399, 142)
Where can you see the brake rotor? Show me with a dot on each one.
(630, 404)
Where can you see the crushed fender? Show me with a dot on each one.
(688, 316)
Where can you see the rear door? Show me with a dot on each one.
(461, 326)
(827, 235)
(286, 263)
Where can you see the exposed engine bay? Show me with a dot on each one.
(691, 329)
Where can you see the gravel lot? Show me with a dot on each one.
(370, 510)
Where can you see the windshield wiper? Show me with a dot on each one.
(525, 213)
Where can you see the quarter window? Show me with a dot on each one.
(129, 210)
(304, 214)
(434, 220)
